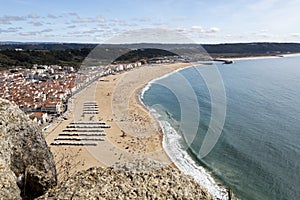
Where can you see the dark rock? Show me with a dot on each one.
(37, 181)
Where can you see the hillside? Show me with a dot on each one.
(238, 48)
(27, 54)
(27, 58)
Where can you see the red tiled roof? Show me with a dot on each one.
(37, 114)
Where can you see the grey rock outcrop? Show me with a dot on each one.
(27, 166)
(8, 186)
(129, 182)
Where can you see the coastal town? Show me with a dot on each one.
(43, 91)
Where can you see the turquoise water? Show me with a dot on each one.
(258, 153)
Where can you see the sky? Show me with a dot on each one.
(201, 21)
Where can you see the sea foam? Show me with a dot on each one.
(172, 144)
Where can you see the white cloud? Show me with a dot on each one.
(198, 28)
(119, 22)
(181, 29)
(10, 30)
(73, 14)
(94, 30)
(33, 16)
(8, 19)
(123, 23)
(74, 33)
(296, 35)
(264, 30)
(264, 35)
(213, 30)
(144, 19)
(35, 23)
(71, 26)
(51, 16)
(132, 25)
(29, 33)
(46, 30)
(33, 33)
(83, 20)
(100, 19)
(51, 35)
(5, 30)
(115, 20)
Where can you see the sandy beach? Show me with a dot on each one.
(260, 57)
(134, 133)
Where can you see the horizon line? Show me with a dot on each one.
(221, 43)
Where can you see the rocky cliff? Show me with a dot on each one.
(27, 167)
(138, 180)
(27, 170)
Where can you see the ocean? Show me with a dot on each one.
(257, 154)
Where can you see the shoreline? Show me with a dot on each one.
(258, 57)
(147, 143)
(126, 101)
(115, 148)
(192, 168)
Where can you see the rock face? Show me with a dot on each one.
(27, 167)
(8, 186)
(130, 181)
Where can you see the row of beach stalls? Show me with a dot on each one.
(83, 133)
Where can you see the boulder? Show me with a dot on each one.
(25, 156)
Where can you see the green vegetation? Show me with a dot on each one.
(74, 57)
(143, 54)
(28, 54)
(251, 49)
(27, 58)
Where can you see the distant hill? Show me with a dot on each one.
(27, 54)
(43, 46)
(238, 48)
(242, 49)
(27, 58)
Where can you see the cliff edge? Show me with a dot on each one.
(140, 179)
(27, 168)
